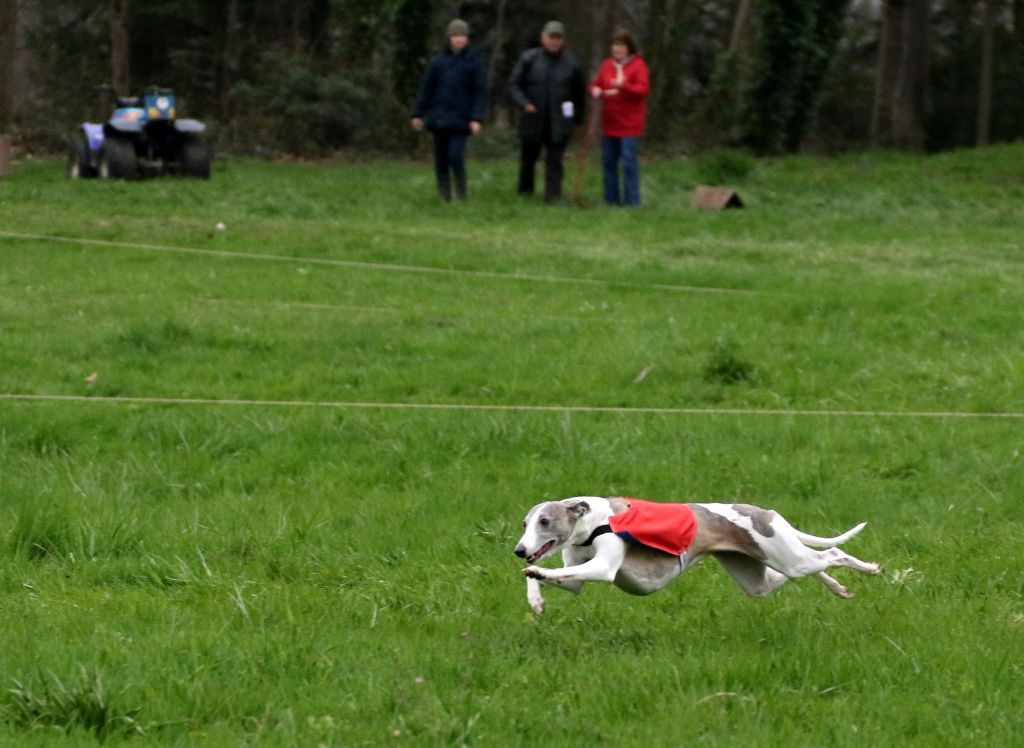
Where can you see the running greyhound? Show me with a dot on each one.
(641, 546)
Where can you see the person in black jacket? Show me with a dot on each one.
(548, 87)
(452, 99)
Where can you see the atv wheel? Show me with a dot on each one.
(195, 159)
(118, 160)
(78, 159)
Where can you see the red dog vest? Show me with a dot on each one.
(667, 527)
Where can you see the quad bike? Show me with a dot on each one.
(142, 138)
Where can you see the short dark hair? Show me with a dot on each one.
(623, 36)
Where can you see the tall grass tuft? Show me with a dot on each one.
(152, 339)
(726, 366)
(40, 532)
(79, 702)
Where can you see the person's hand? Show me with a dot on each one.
(474, 128)
(596, 92)
(611, 92)
(417, 123)
(530, 109)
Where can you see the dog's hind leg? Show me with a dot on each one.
(753, 577)
(833, 585)
(815, 563)
(839, 557)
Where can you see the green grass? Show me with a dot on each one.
(302, 575)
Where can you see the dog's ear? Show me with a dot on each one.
(578, 509)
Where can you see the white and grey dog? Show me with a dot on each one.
(757, 547)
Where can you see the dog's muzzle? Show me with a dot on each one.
(537, 554)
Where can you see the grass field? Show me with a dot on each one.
(306, 566)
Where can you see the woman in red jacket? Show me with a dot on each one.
(622, 83)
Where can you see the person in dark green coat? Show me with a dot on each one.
(548, 87)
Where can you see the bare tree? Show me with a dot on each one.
(890, 47)
(318, 21)
(611, 21)
(908, 112)
(120, 51)
(902, 80)
(231, 59)
(740, 38)
(8, 43)
(579, 18)
(985, 78)
(8, 36)
(500, 113)
(663, 46)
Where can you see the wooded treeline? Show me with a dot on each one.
(312, 76)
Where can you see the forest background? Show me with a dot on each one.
(316, 77)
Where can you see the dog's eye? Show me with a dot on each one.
(544, 522)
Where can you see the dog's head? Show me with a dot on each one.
(549, 527)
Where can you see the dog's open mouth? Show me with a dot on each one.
(541, 551)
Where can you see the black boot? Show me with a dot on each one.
(460, 187)
(444, 187)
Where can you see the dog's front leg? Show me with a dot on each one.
(533, 588)
(534, 596)
(536, 599)
(603, 567)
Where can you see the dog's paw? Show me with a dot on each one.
(534, 572)
(537, 603)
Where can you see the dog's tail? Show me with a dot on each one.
(828, 542)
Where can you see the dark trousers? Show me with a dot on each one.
(553, 169)
(450, 157)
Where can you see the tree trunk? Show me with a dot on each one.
(120, 51)
(8, 44)
(578, 16)
(890, 44)
(740, 37)
(611, 22)
(662, 49)
(985, 82)
(821, 40)
(908, 115)
(318, 21)
(500, 114)
(8, 47)
(231, 62)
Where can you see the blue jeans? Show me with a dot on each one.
(614, 150)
